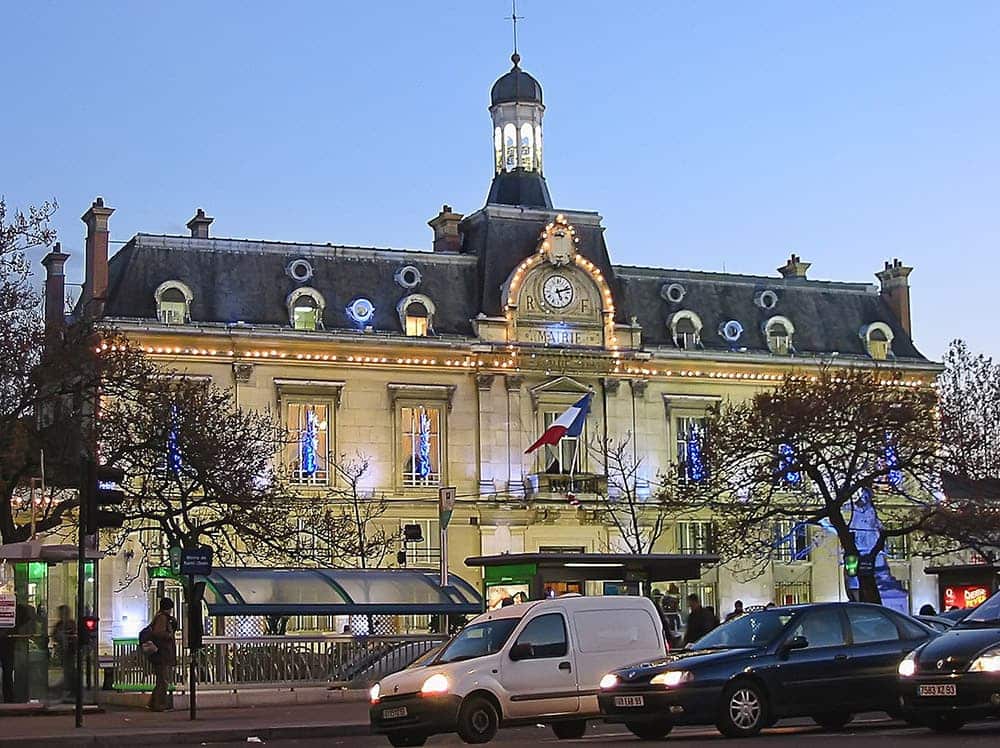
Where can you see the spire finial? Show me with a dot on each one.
(514, 18)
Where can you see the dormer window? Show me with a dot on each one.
(173, 303)
(416, 315)
(305, 309)
(878, 340)
(778, 331)
(685, 328)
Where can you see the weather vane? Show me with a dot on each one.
(514, 18)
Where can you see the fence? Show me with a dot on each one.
(227, 662)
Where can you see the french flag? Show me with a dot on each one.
(570, 423)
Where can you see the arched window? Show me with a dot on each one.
(538, 148)
(527, 146)
(416, 315)
(305, 309)
(685, 328)
(173, 303)
(510, 146)
(778, 331)
(498, 149)
(878, 340)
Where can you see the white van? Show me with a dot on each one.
(523, 664)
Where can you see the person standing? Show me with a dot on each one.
(701, 620)
(65, 642)
(737, 611)
(162, 632)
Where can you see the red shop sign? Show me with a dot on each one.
(965, 595)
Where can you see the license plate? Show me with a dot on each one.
(937, 689)
(629, 701)
(399, 711)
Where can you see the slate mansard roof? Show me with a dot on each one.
(240, 280)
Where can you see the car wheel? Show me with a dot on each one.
(945, 723)
(743, 711)
(478, 720)
(570, 730)
(649, 730)
(405, 738)
(832, 720)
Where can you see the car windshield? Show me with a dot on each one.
(750, 630)
(478, 640)
(987, 614)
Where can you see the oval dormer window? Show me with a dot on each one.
(299, 270)
(673, 292)
(408, 276)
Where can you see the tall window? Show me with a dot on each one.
(695, 537)
(510, 146)
(173, 307)
(527, 141)
(779, 335)
(878, 345)
(307, 452)
(685, 334)
(690, 435)
(897, 547)
(421, 445)
(426, 552)
(416, 320)
(791, 541)
(305, 309)
(559, 458)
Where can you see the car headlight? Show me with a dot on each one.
(609, 681)
(671, 678)
(436, 684)
(374, 692)
(987, 662)
(908, 666)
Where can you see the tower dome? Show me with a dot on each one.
(516, 86)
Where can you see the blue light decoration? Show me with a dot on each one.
(895, 475)
(173, 444)
(786, 459)
(423, 456)
(309, 444)
(695, 463)
(866, 527)
(361, 311)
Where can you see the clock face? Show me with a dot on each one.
(557, 291)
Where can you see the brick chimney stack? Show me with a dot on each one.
(445, 226)
(794, 268)
(95, 283)
(199, 224)
(895, 279)
(55, 288)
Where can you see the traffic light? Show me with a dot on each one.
(851, 561)
(196, 625)
(104, 490)
(89, 630)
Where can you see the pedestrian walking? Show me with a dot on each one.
(164, 659)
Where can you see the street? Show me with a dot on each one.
(865, 731)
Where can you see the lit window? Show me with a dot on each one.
(690, 435)
(416, 315)
(685, 327)
(878, 340)
(779, 331)
(510, 146)
(527, 146)
(305, 309)
(569, 454)
(421, 445)
(173, 303)
(307, 451)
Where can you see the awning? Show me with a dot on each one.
(654, 567)
(270, 591)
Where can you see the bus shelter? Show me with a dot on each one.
(535, 576)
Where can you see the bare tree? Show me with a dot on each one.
(851, 451)
(636, 510)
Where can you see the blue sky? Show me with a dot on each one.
(709, 135)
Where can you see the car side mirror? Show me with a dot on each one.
(796, 642)
(520, 651)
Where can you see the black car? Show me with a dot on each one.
(956, 677)
(826, 661)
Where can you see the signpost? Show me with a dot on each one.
(446, 504)
(194, 562)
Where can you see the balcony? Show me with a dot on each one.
(539, 484)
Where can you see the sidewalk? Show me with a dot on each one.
(131, 727)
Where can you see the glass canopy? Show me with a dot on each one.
(247, 592)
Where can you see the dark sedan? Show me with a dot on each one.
(955, 677)
(826, 661)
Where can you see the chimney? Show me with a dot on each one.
(896, 291)
(199, 224)
(55, 289)
(794, 268)
(95, 284)
(445, 225)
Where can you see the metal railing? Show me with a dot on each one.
(227, 662)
